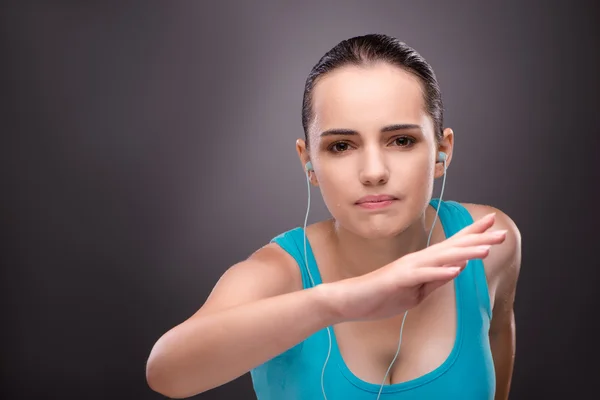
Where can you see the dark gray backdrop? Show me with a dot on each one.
(147, 147)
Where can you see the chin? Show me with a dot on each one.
(377, 228)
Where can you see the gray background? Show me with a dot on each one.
(147, 147)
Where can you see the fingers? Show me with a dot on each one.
(429, 287)
(472, 242)
(479, 226)
(473, 239)
(424, 275)
(480, 239)
(454, 255)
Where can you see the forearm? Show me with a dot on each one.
(212, 350)
(503, 351)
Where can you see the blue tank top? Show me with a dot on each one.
(467, 373)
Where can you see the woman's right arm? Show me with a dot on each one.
(255, 312)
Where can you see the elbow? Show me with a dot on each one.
(157, 376)
(162, 378)
(161, 383)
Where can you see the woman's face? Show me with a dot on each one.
(371, 136)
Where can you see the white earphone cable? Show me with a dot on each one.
(313, 284)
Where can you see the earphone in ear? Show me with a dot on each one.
(308, 166)
(441, 156)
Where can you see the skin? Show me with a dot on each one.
(366, 159)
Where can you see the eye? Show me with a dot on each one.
(403, 141)
(339, 147)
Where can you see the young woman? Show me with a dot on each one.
(398, 295)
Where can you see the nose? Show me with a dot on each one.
(374, 170)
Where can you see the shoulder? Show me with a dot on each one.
(273, 260)
(503, 264)
(269, 271)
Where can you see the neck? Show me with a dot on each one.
(357, 256)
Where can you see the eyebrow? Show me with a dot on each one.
(388, 128)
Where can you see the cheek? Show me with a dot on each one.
(334, 184)
(417, 181)
(424, 171)
(416, 169)
(337, 188)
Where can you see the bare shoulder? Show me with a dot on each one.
(269, 271)
(503, 263)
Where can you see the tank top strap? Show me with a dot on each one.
(292, 242)
(454, 217)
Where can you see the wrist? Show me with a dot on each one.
(328, 300)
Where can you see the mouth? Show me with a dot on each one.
(376, 201)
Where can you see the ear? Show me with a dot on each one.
(304, 157)
(446, 145)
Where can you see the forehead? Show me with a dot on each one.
(365, 98)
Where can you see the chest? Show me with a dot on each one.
(428, 336)
(429, 364)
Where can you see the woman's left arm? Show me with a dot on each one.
(502, 332)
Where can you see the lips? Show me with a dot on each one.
(376, 199)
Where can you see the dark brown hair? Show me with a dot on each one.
(362, 50)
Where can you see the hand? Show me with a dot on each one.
(404, 283)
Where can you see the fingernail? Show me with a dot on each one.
(500, 233)
(484, 248)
